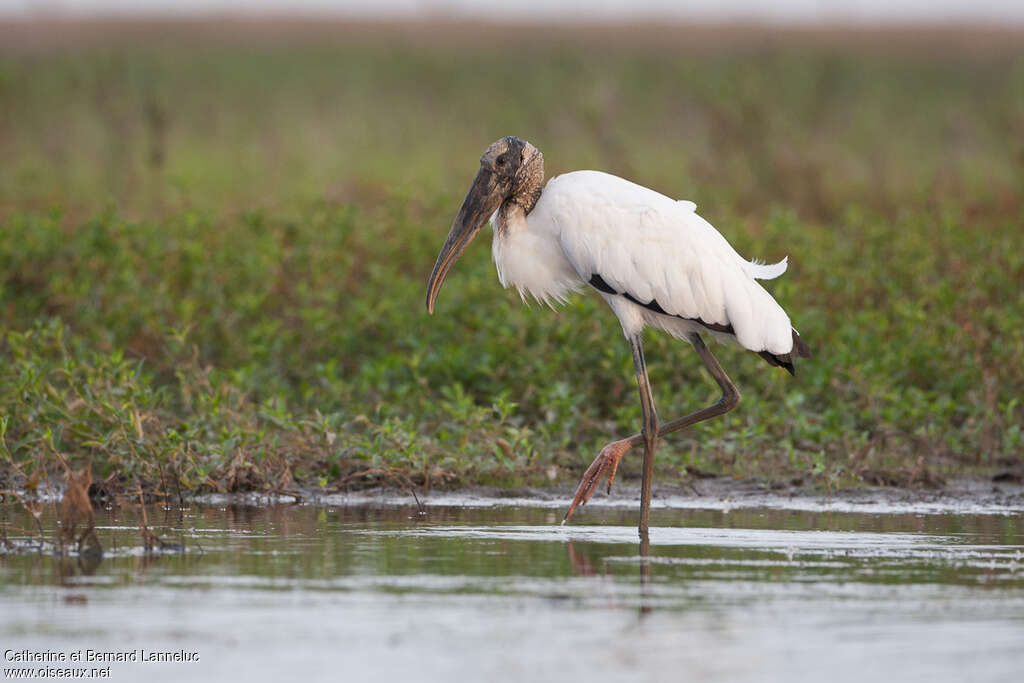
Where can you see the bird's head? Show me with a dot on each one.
(510, 170)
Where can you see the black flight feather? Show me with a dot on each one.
(783, 360)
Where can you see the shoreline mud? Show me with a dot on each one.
(969, 496)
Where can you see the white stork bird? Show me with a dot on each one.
(652, 258)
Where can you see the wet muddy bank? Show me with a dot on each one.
(975, 496)
(971, 496)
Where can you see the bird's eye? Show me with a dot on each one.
(501, 160)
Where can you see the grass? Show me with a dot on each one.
(213, 252)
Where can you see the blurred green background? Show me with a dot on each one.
(214, 239)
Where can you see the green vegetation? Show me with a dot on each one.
(213, 254)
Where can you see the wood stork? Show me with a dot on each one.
(652, 258)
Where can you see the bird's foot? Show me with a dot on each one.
(606, 462)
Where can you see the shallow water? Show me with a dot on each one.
(373, 591)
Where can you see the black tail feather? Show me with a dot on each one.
(779, 360)
(785, 360)
(802, 349)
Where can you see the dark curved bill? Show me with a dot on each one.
(481, 201)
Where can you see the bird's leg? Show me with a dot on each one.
(729, 400)
(608, 459)
(649, 432)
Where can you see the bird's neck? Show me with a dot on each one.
(518, 206)
(529, 184)
(526, 199)
(510, 213)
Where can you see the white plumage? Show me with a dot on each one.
(645, 245)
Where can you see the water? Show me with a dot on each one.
(379, 592)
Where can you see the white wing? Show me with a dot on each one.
(656, 249)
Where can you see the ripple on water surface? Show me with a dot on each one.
(506, 593)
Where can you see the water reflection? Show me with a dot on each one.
(645, 573)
